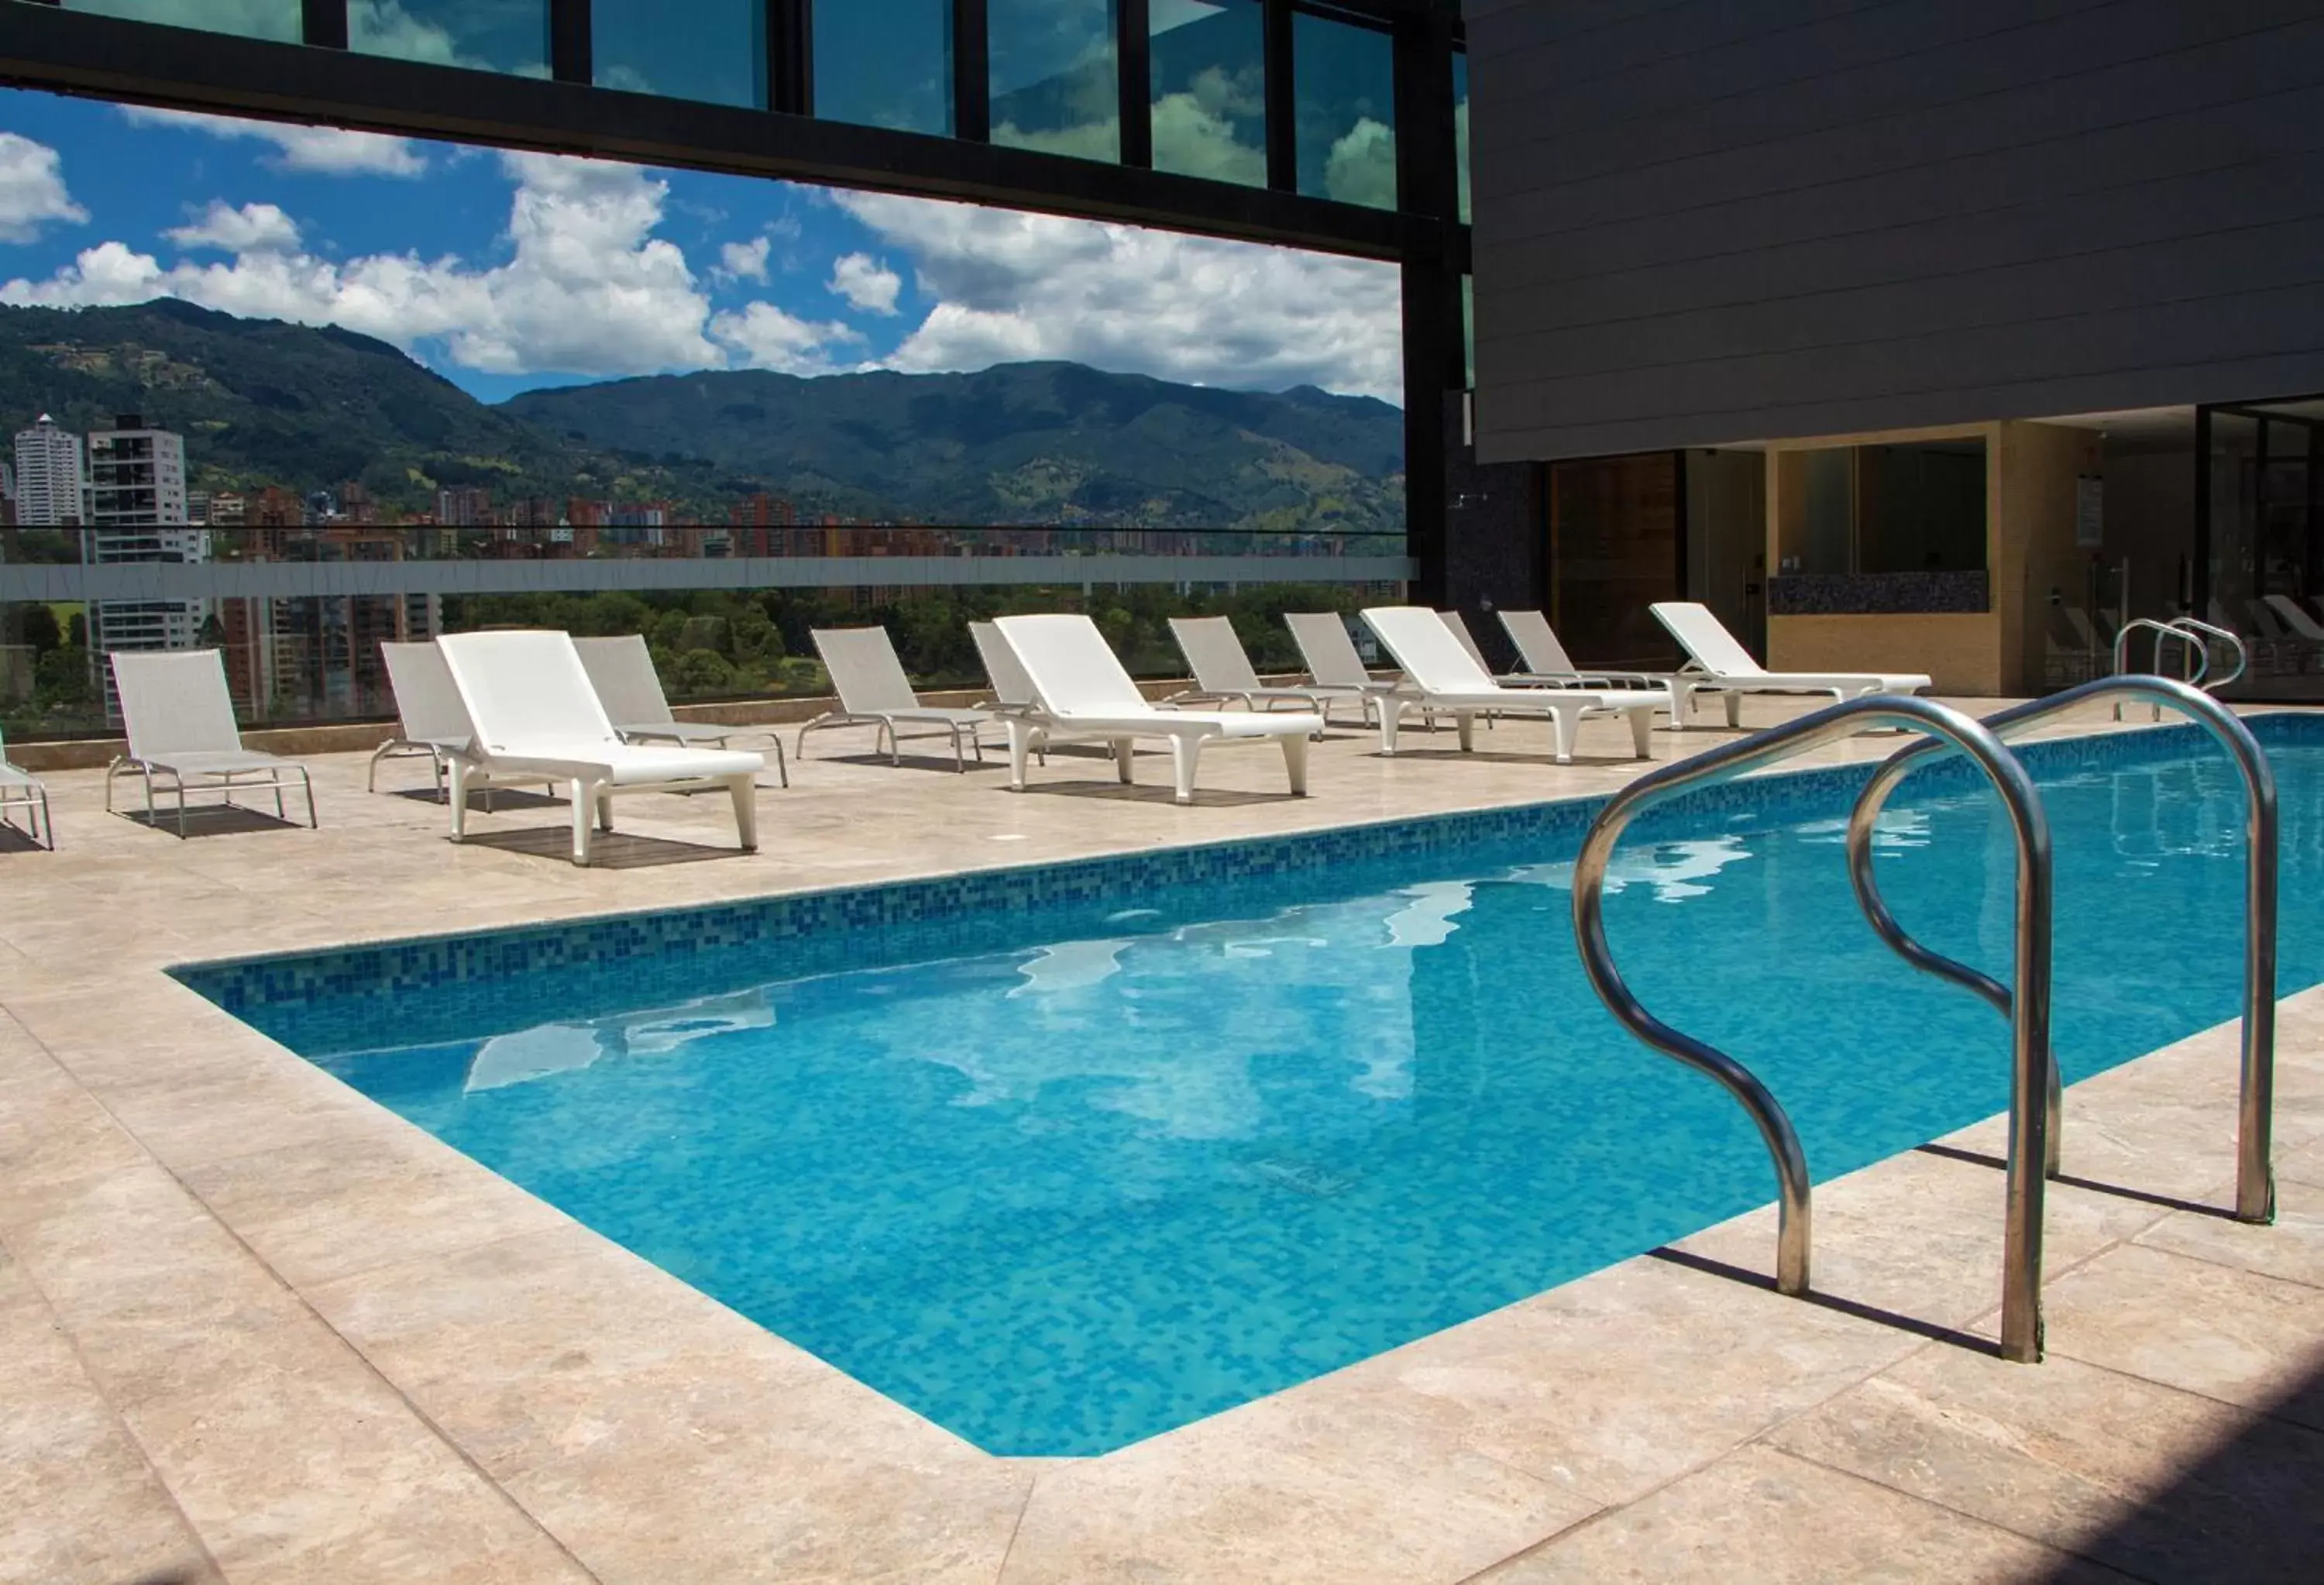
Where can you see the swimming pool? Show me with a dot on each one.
(1064, 1157)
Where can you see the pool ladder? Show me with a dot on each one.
(2035, 1095)
(2198, 636)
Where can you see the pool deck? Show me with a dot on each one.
(254, 1327)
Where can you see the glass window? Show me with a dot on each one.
(1055, 86)
(715, 50)
(1469, 331)
(885, 65)
(1461, 127)
(253, 19)
(1209, 78)
(485, 35)
(1343, 80)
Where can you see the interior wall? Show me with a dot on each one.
(1726, 541)
(2150, 519)
(2032, 552)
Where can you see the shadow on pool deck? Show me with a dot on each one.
(612, 850)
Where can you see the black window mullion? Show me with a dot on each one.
(971, 80)
(324, 23)
(791, 56)
(568, 42)
(1132, 19)
(1282, 101)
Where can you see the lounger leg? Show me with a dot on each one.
(460, 800)
(370, 782)
(278, 813)
(1020, 741)
(1185, 752)
(1124, 748)
(1391, 716)
(307, 777)
(1642, 730)
(959, 754)
(1734, 708)
(783, 767)
(584, 803)
(1464, 722)
(746, 811)
(604, 810)
(1294, 764)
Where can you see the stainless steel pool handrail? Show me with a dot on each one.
(2254, 1171)
(2227, 636)
(2199, 651)
(2030, 1065)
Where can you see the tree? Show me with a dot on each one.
(701, 672)
(41, 630)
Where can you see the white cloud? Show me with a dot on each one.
(384, 27)
(1361, 168)
(254, 228)
(744, 261)
(1014, 286)
(865, 281)
(588, 287)
(766, 337)
(326, 151)
(31, 190)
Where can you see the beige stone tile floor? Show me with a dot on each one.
(254, 1327)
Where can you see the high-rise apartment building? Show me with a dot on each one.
(51, 477)
(143, 624)
(136, 475)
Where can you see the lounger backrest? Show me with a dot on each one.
(525, 687)
(1211, 648)
(2264, 622)
(865, 673)
(622, 670)
(1074, 671)
(1002, 669)
(1457, 626)
(175, 702)
(1326, 648)
(2294, 618)
(1536, 642)
(426, 701)
(1705, 638)
(1428, 652)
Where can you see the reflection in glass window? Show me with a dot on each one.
(253, 19)
(888, 64)
(1469, 332)
(1343, 80)
(1461, 127)
(485, 35)
(1055, 86)
(715, 50)
(1209, 77)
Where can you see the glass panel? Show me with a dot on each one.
(1209, 79)
(715, 50)
(1055, 87)
(885, 65)
(1344, 78)
(1461, 127)
(1469, 331)
(485, 35)
(253, 19)
(1613, 551)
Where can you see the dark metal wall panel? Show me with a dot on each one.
(1711, 221)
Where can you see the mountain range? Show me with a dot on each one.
(264, 402)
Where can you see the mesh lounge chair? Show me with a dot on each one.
(1081, 690)
(1545, 661)
(537, 718)
(1333, 666)
(429, 719)
(1223, 672)
(1012, 690)
(622, 670)
(1445, 677)
(1717, 664)
(873, 691)
(20, 789)
(179, 715)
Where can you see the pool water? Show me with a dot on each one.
(1065, 1194)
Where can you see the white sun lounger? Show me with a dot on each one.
(1012, 690)
(20, 789)
(622, 670)
(1333, 666)
(1544, 659)
(536, 718)
(1445, 677)
(1717, 664)
(179, 715)
(429, 719)
(873, 691)
(1222, 670)
(1082, 691)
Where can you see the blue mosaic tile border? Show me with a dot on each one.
(473, 984)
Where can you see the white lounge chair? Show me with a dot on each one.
(20, 789)
(179, 715)
(1545, 661)
(537, 718)
(1012, 690)
(1441, 675)
(1717, 664)
(1082, 691)
(1333, 665)
(622, 670)
(873, 691)
(1223, 672)
(2302, 627)
(429, 719)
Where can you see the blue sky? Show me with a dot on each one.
(506, 272)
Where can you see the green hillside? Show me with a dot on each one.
(263, 402)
